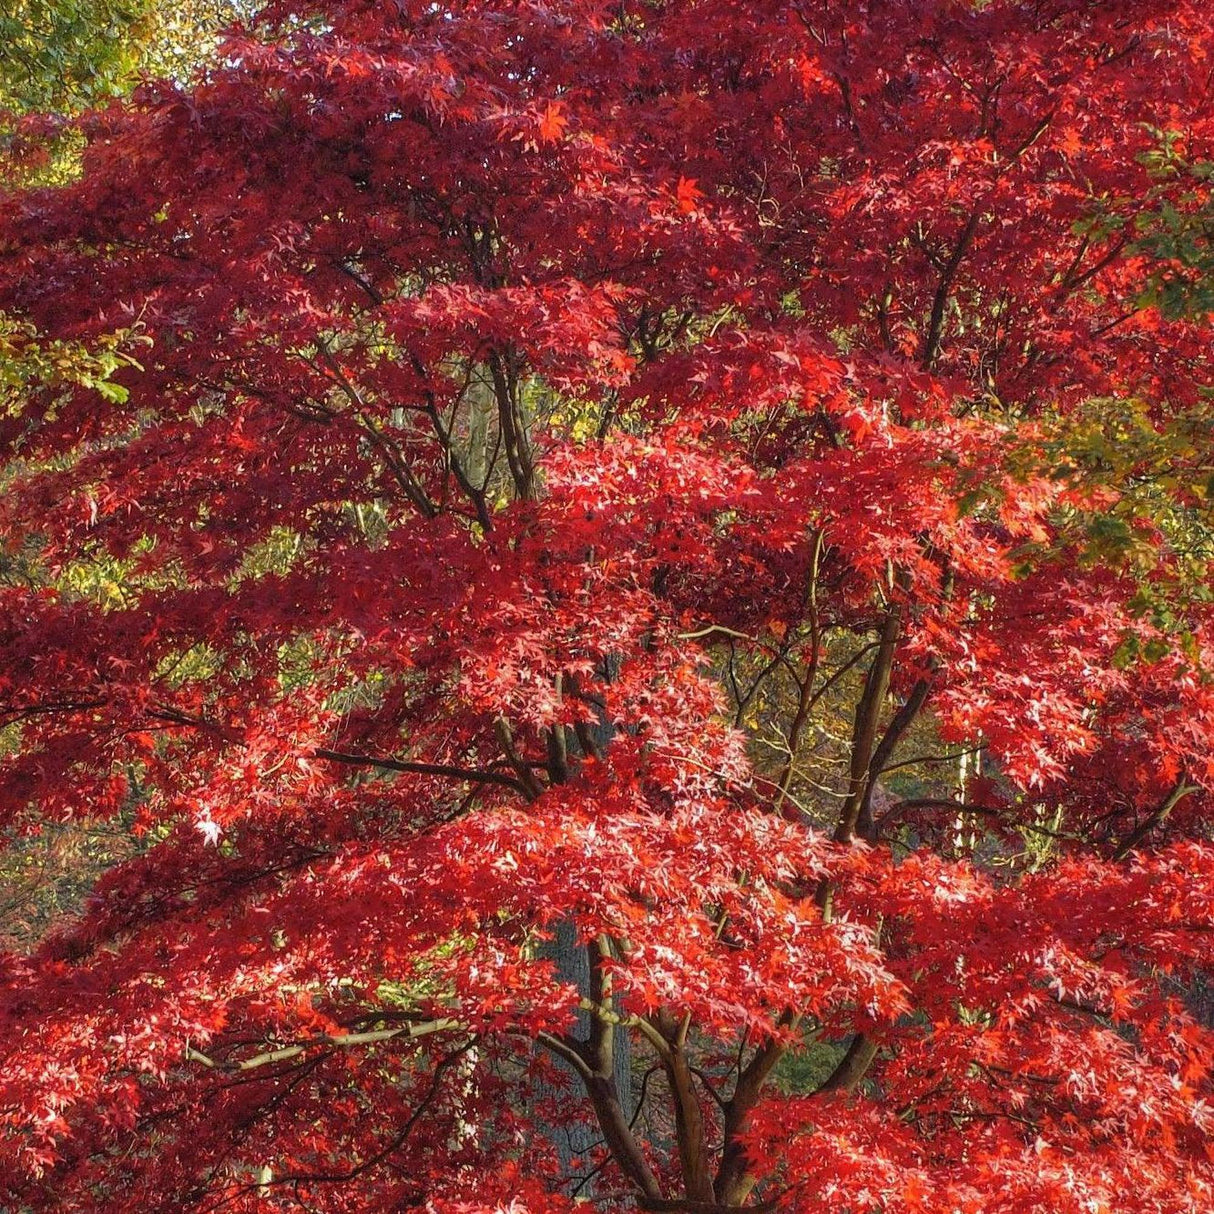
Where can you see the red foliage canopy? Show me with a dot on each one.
(522, 389)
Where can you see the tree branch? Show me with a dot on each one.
(470, 774)
(343, 1040)
(1164, 808)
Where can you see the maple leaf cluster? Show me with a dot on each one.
(638, 577)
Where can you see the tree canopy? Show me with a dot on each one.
(722, 490)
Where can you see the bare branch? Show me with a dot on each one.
(473, 775)
(343, 1040)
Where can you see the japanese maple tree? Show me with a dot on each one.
(571, 483)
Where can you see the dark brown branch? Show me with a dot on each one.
(852, 1067)
(395, 462)
(526, 782)
(949, 758)
(568, 1050)
(375, 295)
(472, 775)
(688, 1116)
(806, 698)
(19, 714)
(394, 1144)
(397, 466)
(605, 1100)
(899, 724)
(471, 492)
(734, 1179)
(868, 715)
(935, 329)
(513, 427)
(1160, 813)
